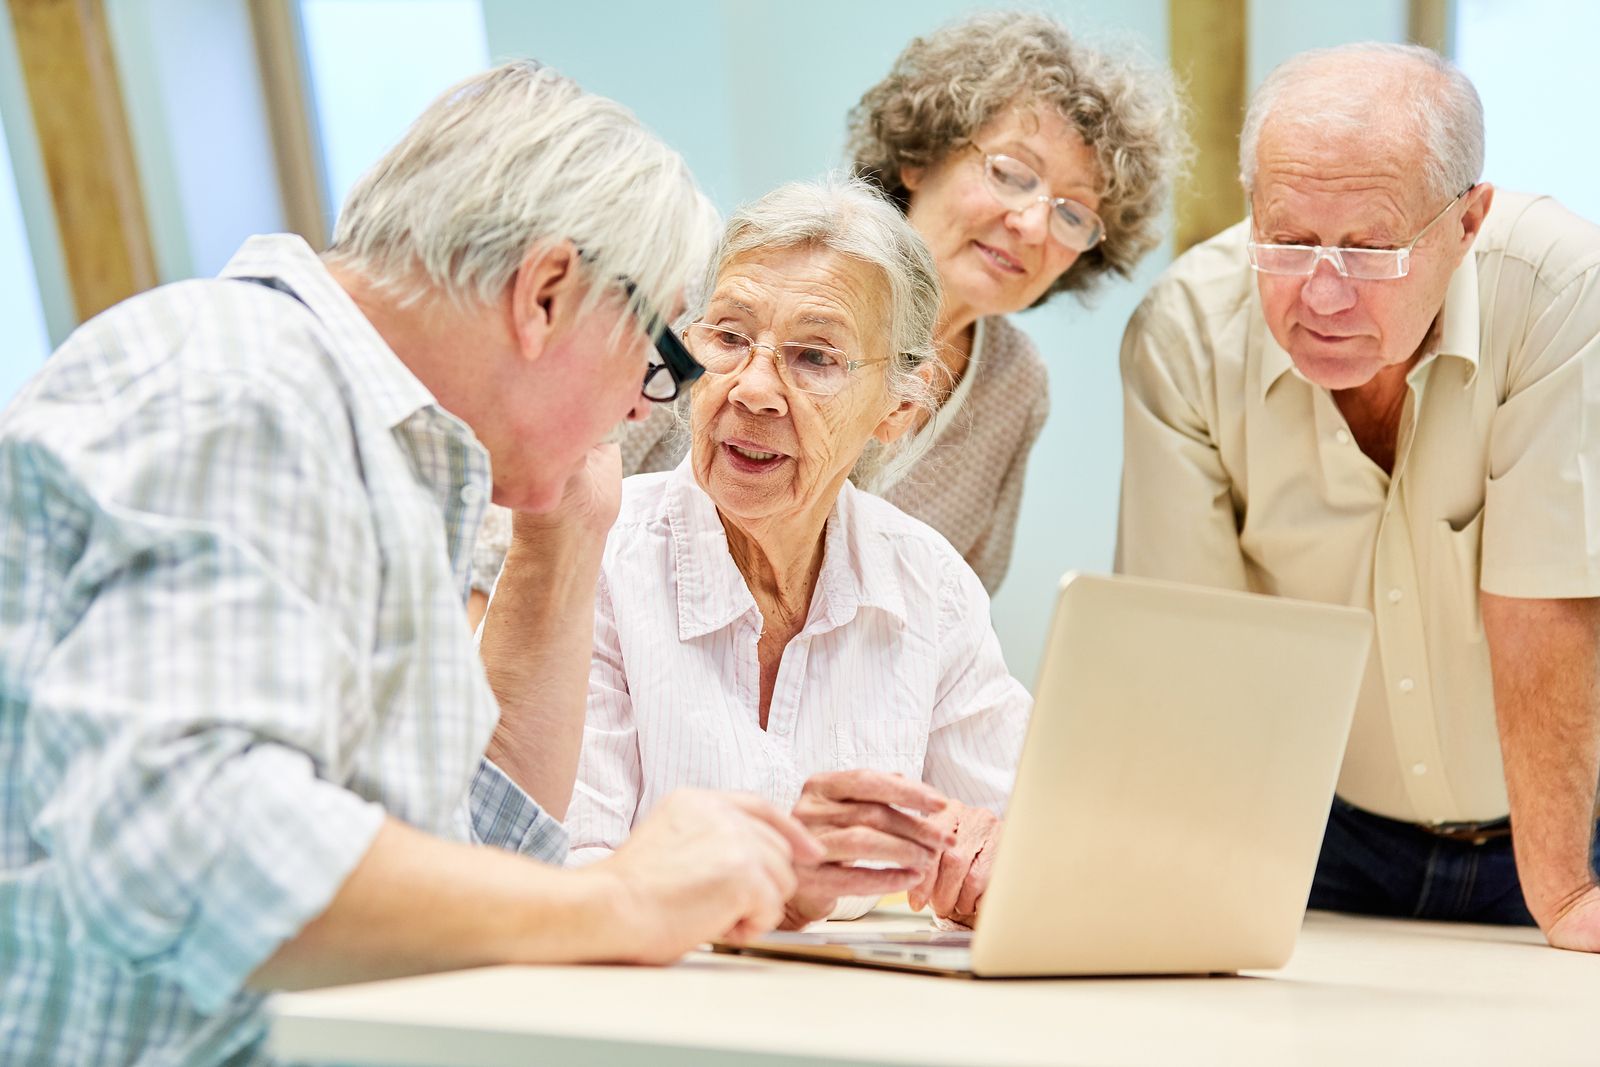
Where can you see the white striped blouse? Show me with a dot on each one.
(897, 667)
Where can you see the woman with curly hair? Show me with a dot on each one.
(1032, 164)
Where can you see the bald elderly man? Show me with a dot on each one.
(1383, 389)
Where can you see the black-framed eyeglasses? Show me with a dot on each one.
(679, 366)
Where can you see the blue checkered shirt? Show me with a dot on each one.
(235, 534)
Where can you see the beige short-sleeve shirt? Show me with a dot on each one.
(1240, 473)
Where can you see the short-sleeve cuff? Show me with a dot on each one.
(293, 840)
(503, 816)
(1539, 583)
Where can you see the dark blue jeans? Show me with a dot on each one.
(1377, 866)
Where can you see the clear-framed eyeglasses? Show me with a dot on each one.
(818, 369)
(1018, 187)
(1362, 264)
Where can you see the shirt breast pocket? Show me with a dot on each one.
(897, 745)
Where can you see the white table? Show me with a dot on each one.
(1358, 991)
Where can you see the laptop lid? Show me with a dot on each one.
(1175, 782)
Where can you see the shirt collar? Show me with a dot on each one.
(381, 382)
(857, 567)
(1458, 334)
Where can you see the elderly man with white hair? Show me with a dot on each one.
(243, 725)
(1383, 389)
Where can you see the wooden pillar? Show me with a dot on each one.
(281, 55)
(1428, 24)
(1210, 55)
(71, 76)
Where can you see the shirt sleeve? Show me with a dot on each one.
(1541, 514)
(605, 798)
(1177, 519)
(183, 749)
(506, 817)
(980, 711)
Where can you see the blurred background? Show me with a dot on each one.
(145, 139)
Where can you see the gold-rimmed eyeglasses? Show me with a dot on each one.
(1018, 187)
(808, 366)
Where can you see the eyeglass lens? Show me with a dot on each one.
(1018, 188)
(813, 368)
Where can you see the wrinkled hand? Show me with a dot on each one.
(863, 815)
(1577, 926)
(589, 504)
(956, 885)
(704, 866)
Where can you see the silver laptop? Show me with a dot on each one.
(1172, 792)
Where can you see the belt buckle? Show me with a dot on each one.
(1472, 833)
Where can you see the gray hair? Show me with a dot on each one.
(509, 160)
(1328, 89)
(851, 218)
(945, 87)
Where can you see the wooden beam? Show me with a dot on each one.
(1210, 56)
(1428, 24)
(73, 93)
(280, 52)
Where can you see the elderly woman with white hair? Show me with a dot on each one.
(764, 626)
(1034, 165)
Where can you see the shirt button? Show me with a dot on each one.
(1419, 768)
(1407, 685)
(470, 493)
(1394, 596)
(1342, 436)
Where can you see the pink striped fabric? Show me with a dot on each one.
(897, 667)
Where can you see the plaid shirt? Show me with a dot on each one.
(235, 534)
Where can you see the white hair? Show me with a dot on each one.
(852, 218)
(1344, 89)
(509, 160)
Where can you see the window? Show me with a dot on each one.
(375, 65)
(1531, 61)
(27, 340)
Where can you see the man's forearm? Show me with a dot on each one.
(1546, 658)
(417, 904)
(536, 644)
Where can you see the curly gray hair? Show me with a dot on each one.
(945, 87)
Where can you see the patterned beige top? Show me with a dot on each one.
(967, 483)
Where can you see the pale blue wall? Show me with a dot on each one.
(1278, 30)
(754, 94)
(26, 339)
(1538, 104)
(374, 65)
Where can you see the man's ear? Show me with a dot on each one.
(1475, 211)
(543, 293)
